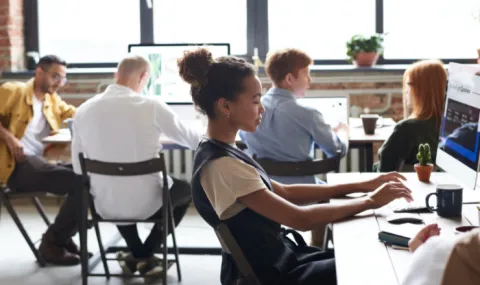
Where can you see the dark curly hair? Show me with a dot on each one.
(212, 79)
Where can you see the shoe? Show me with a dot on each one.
(127, 262)
(150, 269)
(55, 253)
(71, 247)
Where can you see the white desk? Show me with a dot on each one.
(358, 138)
(360, 257)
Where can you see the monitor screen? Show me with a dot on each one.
(459, 143)
(333, 109)
(459, 132)
(164, 78)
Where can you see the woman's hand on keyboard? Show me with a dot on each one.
(372, 184)
(388, 192)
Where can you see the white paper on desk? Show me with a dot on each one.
(63, 131)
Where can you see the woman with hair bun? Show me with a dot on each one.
(229, 187)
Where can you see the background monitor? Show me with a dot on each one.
(164, 78)
(334, 109)
(459, 145)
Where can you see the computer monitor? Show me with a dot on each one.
(459, 145)
(333, 108)
(164, 78)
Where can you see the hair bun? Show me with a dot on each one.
(194, 66)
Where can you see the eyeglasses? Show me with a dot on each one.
(58, 78)
(61, 80)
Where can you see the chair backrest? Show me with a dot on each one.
(150, 166)
(154, 165)
(301, 168)
(403, 167)
(230, 245)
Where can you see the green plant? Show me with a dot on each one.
(359, 43)
(424, 155)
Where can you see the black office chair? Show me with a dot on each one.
(300, 168)
(304, 168)
(229, 244)
(6, 195)
(90, 166)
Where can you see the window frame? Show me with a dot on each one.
(257, 34)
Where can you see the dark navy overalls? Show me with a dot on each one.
(274, 258)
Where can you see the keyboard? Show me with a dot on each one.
(412, 209)
(400, 206)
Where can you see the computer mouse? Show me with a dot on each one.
(404, 218)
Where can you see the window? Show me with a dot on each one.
(431, 29)
(93, 33)
(88, 31)
(205, 21)
(319, 27)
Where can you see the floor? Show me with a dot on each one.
(18, 265)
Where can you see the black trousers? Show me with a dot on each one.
(181, 197)
(35, 174)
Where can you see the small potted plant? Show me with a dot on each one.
(424, 166)
(364, 51)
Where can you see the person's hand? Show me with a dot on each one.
(372, 184)
(341, 127)
(388, 192)
(16, 147)
(422, 236)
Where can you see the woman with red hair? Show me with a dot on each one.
(424, 85)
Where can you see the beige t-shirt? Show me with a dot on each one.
(225, 180)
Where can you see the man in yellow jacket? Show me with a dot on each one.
(28, 113)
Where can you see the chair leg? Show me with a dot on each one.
(327, 237)
(41, 210)
(83, 233)
(172, 225)
(83, 251)
(19, 224)
(165, 222)
(102, 251)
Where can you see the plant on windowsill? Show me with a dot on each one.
(364, 51)
(424, 166)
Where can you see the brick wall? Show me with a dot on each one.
(12, 48)
(369, 95)
(80, 88)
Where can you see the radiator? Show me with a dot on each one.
(180, 163)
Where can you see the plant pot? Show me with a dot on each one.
(423, 171)
(366, 59)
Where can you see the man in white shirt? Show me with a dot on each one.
(120, 125)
